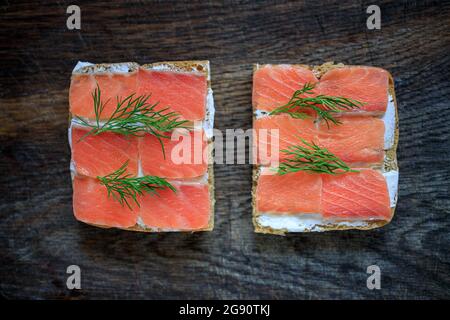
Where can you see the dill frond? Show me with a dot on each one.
(133, 116)
(123, 187)
(325, 106)
(311, 157)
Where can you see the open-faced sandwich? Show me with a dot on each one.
(325, 141)
(141, 142)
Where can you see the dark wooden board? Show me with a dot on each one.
(39, 236)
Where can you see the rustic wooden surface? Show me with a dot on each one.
(39, 237)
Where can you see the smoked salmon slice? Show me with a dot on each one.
(274, 85)
(355, 139)
(91, 204)
(288, 131)
(298, 192)
(112, 86)
(364, 84)
(362, 195)
(188, 209)
(100, 155)
(185, 156)
(184, 93)
(351, 196)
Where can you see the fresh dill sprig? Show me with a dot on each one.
(311, 157)
(133, 116)
(325, 106)
(122, 186)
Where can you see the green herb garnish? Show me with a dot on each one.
(122, 186)
(133, 116)
(325, 106)
(313, 158)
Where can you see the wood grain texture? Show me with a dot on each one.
(39, 236)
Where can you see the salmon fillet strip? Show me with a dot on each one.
(91, 204)
(349, 196)
(274, 85)
(355, 140)
(191, 146)
(103, 154)
(112, 86)
(184, 93)
(290, 193)
(188, 208)
(362, 195)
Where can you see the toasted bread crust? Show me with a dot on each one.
(196, 66)
(390, 163)
(124, 67)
